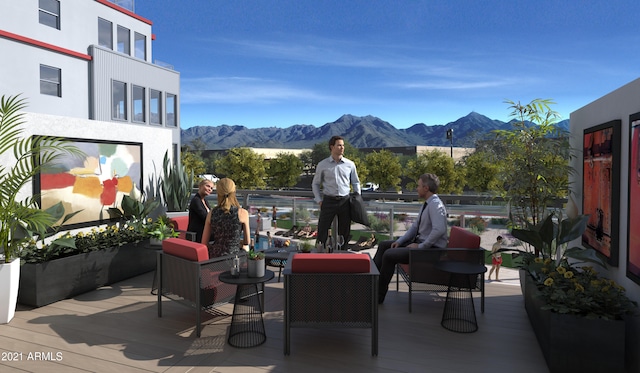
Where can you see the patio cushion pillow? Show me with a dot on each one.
(185, 249)
(330, 263)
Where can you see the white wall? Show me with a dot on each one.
(617, 105)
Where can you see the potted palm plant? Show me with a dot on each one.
(22, 158)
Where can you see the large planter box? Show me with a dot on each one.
(45, 283)
(575, 344)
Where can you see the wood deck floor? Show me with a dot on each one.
(116, 329)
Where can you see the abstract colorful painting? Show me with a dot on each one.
(633, 253)
(600, 188)
(94, 183)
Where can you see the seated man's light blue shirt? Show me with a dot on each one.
(335, 178)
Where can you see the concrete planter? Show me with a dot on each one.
(575, 344)
(9, 278)
(45, 283)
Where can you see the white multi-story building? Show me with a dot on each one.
(85, 68)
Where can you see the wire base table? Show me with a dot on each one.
(459, 311)
(247, 324)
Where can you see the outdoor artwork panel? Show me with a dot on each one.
(93, 183)
(600, 188)
(633, 254)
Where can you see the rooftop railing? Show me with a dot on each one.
(127, 4)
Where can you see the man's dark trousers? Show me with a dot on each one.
(331, 207)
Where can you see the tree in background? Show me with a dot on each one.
(284, 170)
(534, 160)
(481, 171)
(384, 169)
(245, 167)
(440, 164)
(193, 165)
(307, 162)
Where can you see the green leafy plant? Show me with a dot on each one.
(19, 218)
(255, 255)
(306, 246)
(161, 228)
(550, 238)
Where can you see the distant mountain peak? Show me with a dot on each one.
(362, 132)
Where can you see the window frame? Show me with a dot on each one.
(115, 101)
(138, 37)
(49, 14)
(126, 43)
(173, 108)
(104, 22)
(143, 101)
(153, 105)
(50, 82)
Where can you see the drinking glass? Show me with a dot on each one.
(340, 242)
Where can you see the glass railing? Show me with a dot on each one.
(127, 4)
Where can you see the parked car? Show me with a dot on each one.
(370, 187)
(211, 177)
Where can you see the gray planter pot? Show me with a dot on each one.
(45, 283)
(575, 344)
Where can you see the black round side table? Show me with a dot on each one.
(247, 325)
(459, 311)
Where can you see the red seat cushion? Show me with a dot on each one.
(461, 238)
(330, 263)
(185, 249)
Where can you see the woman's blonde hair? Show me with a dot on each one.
(226, 190)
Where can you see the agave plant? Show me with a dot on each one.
(174, 185)
(19, 218)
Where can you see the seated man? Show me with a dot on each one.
(428, 231)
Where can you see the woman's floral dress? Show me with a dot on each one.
(226, 232)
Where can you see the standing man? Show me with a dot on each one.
(334, 175)
(429, 231)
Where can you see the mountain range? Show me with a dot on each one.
(361, 132)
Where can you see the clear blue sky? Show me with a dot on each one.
(266, 63)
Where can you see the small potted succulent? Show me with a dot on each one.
(256, 264)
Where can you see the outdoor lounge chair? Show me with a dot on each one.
(422, 274)
(363, 243)
(186, 274)
(180, 224)
(347, 297)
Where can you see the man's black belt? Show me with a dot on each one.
(337, 198)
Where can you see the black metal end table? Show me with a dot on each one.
(247, 324)
(459, 311)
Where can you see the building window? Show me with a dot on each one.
(119, 100)
(105, 33)
(124, 40)
(138, 104)
(140, 46)
(50, 81)
(155, 107)
(49, 13)
(171, 110)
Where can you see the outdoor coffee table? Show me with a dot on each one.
(459, 311)
(247, 325)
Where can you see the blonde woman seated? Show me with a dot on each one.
(226, 229)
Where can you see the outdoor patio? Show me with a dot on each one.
(116, 329)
